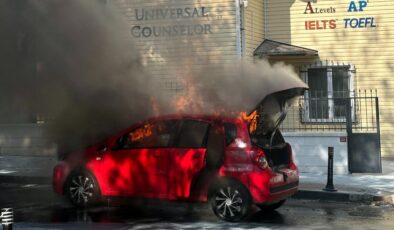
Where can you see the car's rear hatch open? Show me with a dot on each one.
(263, 128)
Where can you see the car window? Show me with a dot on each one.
(193, 134)
(231, 132)
(150, 135)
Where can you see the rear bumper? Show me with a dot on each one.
(282, 188)
(281, 192)
(269, 187)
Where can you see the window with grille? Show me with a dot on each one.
(330, 88)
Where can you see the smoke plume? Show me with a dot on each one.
(76, 66)
(85, 76)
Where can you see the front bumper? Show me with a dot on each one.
(60, 172)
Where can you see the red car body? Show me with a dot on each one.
(171, 172)
(232, 162)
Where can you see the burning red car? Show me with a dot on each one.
(231, 162)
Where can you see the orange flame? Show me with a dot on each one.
(251, 119)
(191, 100)
(141, 133)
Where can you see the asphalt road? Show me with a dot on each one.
(37, 207)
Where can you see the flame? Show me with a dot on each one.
(181, 103)
(141, 133)
(190, 101)
(251, 119)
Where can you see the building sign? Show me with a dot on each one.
(178, 15)
(175, 37)
(363, 22)
(332, 23)
(320, 24)
(311, 10)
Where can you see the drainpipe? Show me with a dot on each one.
(265, 4)
(243, 5)
(238, 28)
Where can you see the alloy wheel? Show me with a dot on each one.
(228, 203)
(81, 189)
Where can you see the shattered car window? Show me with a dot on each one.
(150, 135)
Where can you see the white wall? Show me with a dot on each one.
(311, 154)
(169, 57)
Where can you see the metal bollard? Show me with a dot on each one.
(7, 218)
(330, 173)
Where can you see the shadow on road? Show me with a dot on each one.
(146, 213)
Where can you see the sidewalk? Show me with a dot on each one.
(27, 169)
(353, 187)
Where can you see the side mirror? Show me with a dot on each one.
(102, 149)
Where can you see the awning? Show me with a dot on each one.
(273, 48)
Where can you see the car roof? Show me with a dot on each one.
(203, 117)
(196, 117)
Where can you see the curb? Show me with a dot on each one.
(25, 179)
(322, 195)
(345, 197)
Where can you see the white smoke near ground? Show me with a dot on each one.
(89, 82)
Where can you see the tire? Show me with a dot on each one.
(230, 200)
(271, 207)
(82, 189)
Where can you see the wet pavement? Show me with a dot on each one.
(37, 207)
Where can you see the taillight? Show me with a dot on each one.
(260, 160)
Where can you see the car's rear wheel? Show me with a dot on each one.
(82, 189)
(271, 207)
(230, 200)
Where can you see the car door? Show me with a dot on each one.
(120, 165)
(186, 159)
(154, 158)
(138, 165)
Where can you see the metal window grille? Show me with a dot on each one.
(362, 106)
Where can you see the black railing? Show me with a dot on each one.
(319, 111)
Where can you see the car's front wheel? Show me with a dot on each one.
(230, 200)
(82, 189)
